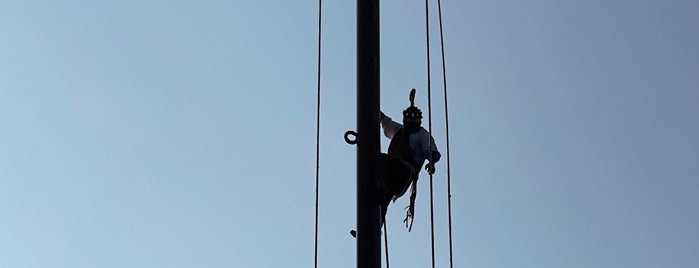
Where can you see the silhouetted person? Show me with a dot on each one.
(410, 146)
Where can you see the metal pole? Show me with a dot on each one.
(368, 143)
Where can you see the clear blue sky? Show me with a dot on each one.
(182, 133)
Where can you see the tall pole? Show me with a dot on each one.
(368, 143)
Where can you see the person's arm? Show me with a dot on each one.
(435, 153)
(390, 128)
(432, 155)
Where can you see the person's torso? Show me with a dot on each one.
(408, 146)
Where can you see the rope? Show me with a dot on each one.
(429, 115)
(446, 119)
(385, 240)
(315, 258)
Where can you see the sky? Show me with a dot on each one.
(182, 133)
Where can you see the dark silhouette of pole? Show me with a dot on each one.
(368, 143)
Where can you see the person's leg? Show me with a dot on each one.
(397, 180)
(383, 178)
(383, 170)
(398, 177)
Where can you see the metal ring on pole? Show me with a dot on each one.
(347, 138)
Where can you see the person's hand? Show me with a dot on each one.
(430, 168)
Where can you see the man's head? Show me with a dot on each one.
(412, 116)
(412, 119)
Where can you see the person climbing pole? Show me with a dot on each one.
(410, 146)
(399, 169)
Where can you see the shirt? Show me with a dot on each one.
(420, 142)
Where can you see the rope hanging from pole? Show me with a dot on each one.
(429, 115)
(315, 256)
(446, 120)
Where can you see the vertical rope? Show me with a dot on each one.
(429, 115)
(315, 258)
(446, 119)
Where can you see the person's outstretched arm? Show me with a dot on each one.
(390, 127)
